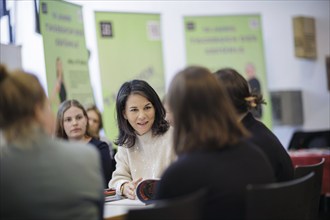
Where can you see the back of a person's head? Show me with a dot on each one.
(238, 90)
(20, 94)
(203, 114)
(64, 106)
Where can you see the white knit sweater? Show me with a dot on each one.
(148, 158)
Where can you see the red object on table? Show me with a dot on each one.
(313, 156)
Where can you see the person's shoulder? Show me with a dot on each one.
(254, 153)
(260, 132)
(98, 143)
(169, 131)
(249, 146)
(245, 147)
(95, 141)
(105, 139)
(78, 158)
(183, 165)
(165, 138)
(73, 148)
(255, 126)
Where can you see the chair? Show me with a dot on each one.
(283, 200)
(302, 170)
(186, 207)
(310, 139)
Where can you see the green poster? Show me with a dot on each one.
(66, 56)
(229, 41)
(129, 47)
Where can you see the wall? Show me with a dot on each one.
(11, 55)
(284, 70)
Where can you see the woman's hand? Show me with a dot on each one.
(129, 188)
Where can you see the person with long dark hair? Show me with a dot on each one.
(145, 137)
(212, 152)
(245, 100)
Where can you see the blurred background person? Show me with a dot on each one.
(244, 101)
(211, 147)
(59, 91)
(42, 177)
(96, 125)
(72, 125)
(255, 86)
(145, 137)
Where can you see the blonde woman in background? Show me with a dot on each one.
(72, 124)
(96, 125)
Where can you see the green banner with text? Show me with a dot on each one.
(129, 47)
(66, 56)
(230, 41)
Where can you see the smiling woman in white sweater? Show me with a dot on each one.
(145, 138)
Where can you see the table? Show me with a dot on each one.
(312, 156)
(117, 210)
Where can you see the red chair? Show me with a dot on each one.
(303, 170)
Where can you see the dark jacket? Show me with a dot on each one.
(106, 160)
(271, 146)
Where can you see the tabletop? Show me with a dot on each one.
(117, 210)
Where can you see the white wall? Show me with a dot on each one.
(284, 70)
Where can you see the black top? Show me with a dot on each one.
(271, 146)
(224, 172)
(107, 163)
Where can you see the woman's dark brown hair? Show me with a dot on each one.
(127, 134)
(203, 115)
(238, 90)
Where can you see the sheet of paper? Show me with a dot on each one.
(127, 202)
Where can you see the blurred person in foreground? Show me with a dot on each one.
(42, 177)
(244, 101)
(211, 147)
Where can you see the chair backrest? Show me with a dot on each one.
(281, 200)
(186, 207)
(303, 170)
